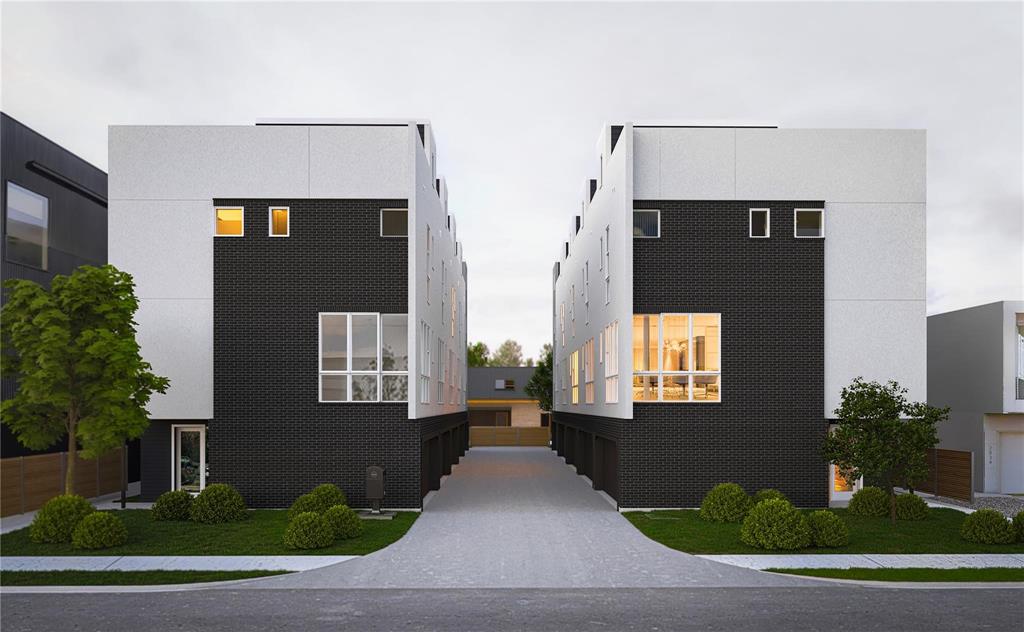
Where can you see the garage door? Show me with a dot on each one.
(1011, 458)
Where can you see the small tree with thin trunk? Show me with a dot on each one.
(883, 437)
(73, 351)
(540, 384)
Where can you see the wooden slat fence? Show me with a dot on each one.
(27, 482)
(531, 436)
(950, 474)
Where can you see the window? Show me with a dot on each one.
(611, 363)
(442, 371)
(394, 222)
(647, 224)
(454, 315)
(561, 321)
(28, 223)
(574, 376)
(425, 340)
(677, 357)
(364, 357)
(760, 225)
(588, 371)
(430, 244)
(586, 292)
(278, 221)
(230, 221)
(188, 458)
(572, 311)
(808, 223)
(607, 265)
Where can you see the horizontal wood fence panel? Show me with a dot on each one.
(950, 474)
(27, 482)
(509, 436)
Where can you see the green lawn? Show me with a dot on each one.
(262, 534)
(912, 574)
(123, 578)
(940, 533)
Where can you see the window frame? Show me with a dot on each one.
(46, 233)
(176, 430)
(349, 373)
(821, 214)
(767, 223)
(691, 360)
(230, 208)
(393, 210)
(658, 215)
(270, 217)
(611, 362)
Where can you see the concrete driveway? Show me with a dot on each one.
(521, 518)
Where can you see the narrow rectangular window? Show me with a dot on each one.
(425, 362)
(808, 223)
(611, 363)
(607, 265)
(442, 371)
(588, 371)
(230, 221)
(760, 224)
(574, 376)
(28, 224)
(394, 222)
(278, 221)
(647, 224)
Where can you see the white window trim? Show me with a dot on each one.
(379, 372)
(381, 216)
(660, 373)
(270, 221)
(229, 208)
(649, 210)
(768, 223)
(821, 212)
(176, 453)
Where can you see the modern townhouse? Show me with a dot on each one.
(717, 289)
(302, 286)
(976, 368)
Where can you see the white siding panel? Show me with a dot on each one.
(359, 162)
(176, 337)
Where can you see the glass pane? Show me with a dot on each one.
(364, 388)
(189, 460)
(364, 343)
(334, 342)
(645, 342)
(840, 484)
(645, 388)
(394, 352)
(279, 221)
(675, 388)
(27, 220)
(675, 334)
(705, 388)
(334, 388)
(645, 223)
(394, 223)
(229, 221)
(759, 223)
(808, 223)
(395, 388)
(706, 343)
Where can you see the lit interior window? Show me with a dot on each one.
(230, 222)
(279, 222)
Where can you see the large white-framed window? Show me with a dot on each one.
(363, 357)
(28, 227)
(611, 363)
(188, 457)
(574, 376)
(229, 221)
(646, 223)
(588, 371)
(809, 223)
(677, 357)
(760, 223)
(278, 221)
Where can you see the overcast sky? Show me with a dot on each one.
(517, 94)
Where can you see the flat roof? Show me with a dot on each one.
(360, 122)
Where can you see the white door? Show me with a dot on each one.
(1011, 462)
(188, 458)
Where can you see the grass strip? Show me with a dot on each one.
(911, 574)
(123, 578)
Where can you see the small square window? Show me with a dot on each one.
(278, 221)
(760, 224)
(394, 222)
(647, 224)
(230, 221)
(809, 223)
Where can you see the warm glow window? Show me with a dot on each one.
(279, 221)
(364, 357)
(574, 376)
(611, 363)
(230, 221)
(588, 371)
(677, 357)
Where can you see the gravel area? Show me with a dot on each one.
(1007, 505)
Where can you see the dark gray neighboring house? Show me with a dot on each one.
(497, 398)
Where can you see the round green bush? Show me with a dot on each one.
(726, 502)
(911, 507)
(57, 519)
(308, 530)
(304, 504)
(218, 503)
(828, 529)
(870, 501)
(99, 530)
(329, 495)
(1018, 525)
(987, 526)
(345, 523)
(172, 505)
(768, 494)
(775, 524)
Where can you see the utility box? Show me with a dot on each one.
(375, 486)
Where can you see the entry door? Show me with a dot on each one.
(188, 458)
(1011, 459)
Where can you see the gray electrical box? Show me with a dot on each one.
(375, 486)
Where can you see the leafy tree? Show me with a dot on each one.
(883, 437)
(72, 349)
(476, 354)
(540, 385)
(510, 353)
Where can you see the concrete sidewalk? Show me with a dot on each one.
(173, 563)
(873, 560)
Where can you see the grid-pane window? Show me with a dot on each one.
(611, 363)
(351, 349)
(588, 371)
(689, 357)
(28, 223)
(574, 375)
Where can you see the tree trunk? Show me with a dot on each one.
(69, 475)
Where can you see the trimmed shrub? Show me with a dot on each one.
(828, 529)
(870, 501)
(172, 505)
(726, 502)
(309, 530)
(306, 503)
(769, 494)
(911, 507)
(1018, 525)
(345, 523)
(99, 530)
(218, 503)
(57, 520)
(329, 495)
(776, 524)
(987, 526)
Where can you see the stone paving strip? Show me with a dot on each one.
(173, 563)
(873, 560)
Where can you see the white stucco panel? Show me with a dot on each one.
(684, 164)
(359, 162)
(176, 337)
